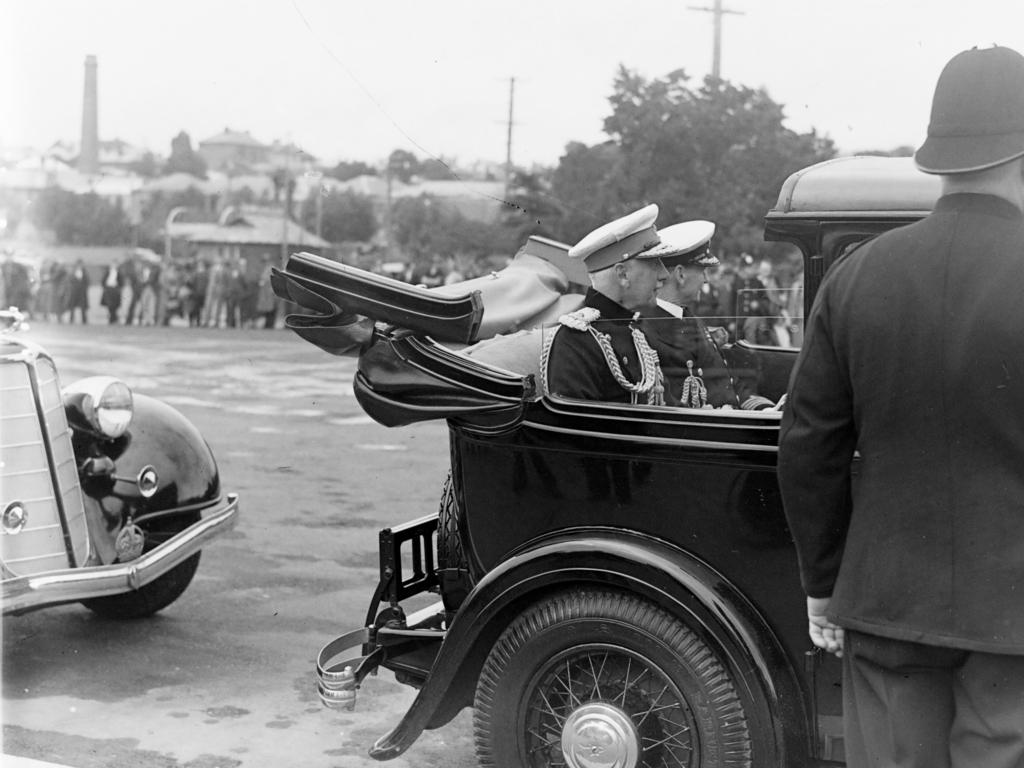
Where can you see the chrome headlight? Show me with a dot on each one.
(103, 402)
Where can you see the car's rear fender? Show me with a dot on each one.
(630, 562)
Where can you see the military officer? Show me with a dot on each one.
(600, 352)
(697, 373)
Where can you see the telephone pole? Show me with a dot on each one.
(508, 142)
(719, 11)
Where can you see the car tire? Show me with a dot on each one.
(450, 552)
(161, 592)
(614, 680)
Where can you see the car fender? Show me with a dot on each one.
(160, 437)
(631, 562)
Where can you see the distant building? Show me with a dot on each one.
(34, 174)
(245, 232)
(476, 200)
(115, 155)
(233, 150)
(289, 156)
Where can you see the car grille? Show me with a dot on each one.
(33, 436)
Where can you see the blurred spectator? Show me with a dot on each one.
(78, 292)
(432, 276)
(266, 302)
(795, 311)
(234, 293)
(771, 328)
(45, 296)
(111, 296)
(749, 295)
(132, 270)
(247, 296)
(61, 290)
(167, 302)
(454, 275)
(17, 281)
(149, 275)
(197, 280)
(215, 288)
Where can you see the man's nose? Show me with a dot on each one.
(662, 272)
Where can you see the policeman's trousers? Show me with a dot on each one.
(908, 705)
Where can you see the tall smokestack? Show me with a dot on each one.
(89, 152)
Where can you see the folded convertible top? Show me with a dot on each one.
(345, 301)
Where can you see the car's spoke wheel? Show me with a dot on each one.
(594, 678)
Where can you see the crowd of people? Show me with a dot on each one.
(144, 291)
(747, 296)
(754, 299)
(60, 291)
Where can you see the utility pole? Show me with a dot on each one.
(508, 142)
(285, 213)
(719, 11)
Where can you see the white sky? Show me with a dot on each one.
(432, 76)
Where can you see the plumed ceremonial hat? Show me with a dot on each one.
(977, 117)
(686, 243)
(625, 238)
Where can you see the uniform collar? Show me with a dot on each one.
(610, 310)
(973, 202)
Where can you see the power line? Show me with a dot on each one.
(718, 11)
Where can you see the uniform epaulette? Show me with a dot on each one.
(581, 319)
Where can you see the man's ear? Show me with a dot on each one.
(622, 272)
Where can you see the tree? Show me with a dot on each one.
(719, 152)
(588, 184)
(184, 159)
(85, 219)
(402, 165)
(346, 216)
(531, 209)
(158, 205)
(436, 169)
(346, 170)
(145, 166)
(424, 227)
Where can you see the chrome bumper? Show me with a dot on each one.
(27, 592)
(340, 671)
(337, 681)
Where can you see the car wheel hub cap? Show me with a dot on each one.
(598, 735)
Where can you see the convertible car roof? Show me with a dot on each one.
(855, 186)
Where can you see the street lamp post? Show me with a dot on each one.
(168, 241)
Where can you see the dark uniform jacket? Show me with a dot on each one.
(687, 339)
(576, 364)
(914, 356)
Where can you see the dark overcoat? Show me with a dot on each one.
(914, 357)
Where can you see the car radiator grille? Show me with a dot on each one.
(44, 544)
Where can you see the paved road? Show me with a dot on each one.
(224, 677)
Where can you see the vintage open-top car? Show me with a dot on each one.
(611, 584)
(107, 496)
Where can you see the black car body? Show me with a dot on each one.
(615, 585)
(107, 496)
